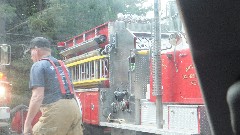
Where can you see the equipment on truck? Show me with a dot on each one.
(115, 79)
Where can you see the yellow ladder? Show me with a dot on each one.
(90, 71)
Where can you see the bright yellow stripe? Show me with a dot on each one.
(86, 85)
(86, 60)
(87, 82)
(143, 52)
(72, 64)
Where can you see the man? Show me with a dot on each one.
(60, 112)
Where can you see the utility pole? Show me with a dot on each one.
(156, 65)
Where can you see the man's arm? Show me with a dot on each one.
(34, 106)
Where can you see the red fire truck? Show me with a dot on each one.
(125, 87)
(5, 89)
(113, 69)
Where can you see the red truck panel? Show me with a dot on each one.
(87, 108)
(94, 108)
(179, 79)
(69, 43)
(99, 30)
(18, 120)
(79, 39)
(103, 30)
(90, 107)
(85, 116)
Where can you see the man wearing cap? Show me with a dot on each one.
(60, 112)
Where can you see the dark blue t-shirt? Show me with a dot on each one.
(43, 74)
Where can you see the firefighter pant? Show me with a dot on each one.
(59, 118)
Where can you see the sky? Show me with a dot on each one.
(149, 3)
(150, 14)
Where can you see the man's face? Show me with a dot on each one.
(34, 54)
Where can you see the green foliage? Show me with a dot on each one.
(7, 11)
(64, 19)
(18, 74)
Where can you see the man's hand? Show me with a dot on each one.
(34, 106)
(27, 129)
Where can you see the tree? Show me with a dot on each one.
(63, 19)
(6, 14)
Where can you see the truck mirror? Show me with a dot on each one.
(175, 39)
(5, 54)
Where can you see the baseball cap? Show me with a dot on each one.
(38, 42)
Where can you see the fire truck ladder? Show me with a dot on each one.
(89, 72)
